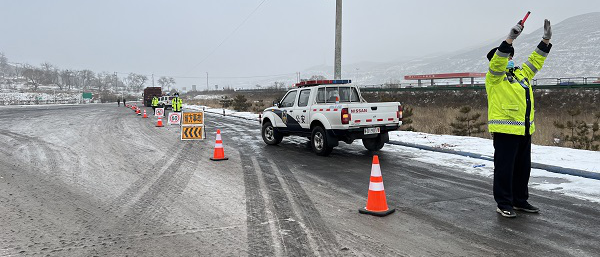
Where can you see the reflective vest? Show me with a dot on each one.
(155, 101)
(176, 103)
(510, 96)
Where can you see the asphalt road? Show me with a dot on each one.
(96, 180)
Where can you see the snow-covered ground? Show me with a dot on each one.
(37, 98)
(583, 188)
(207, 97)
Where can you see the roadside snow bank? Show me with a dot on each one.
(549, 155)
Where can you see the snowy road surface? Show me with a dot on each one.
(97, 180)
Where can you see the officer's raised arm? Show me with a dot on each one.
(499, 56)
(536, 60)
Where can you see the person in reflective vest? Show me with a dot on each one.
(510, 120)
(154, 102)
(176, 103)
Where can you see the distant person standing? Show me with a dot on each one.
(176, 103)
(124, 105)
(510, 120)
(154, 103)
(118, 102)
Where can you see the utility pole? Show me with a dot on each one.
(116, 84)
(337, 70)
(207, 88)
(152, 79)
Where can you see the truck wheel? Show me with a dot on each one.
(270, 135)
(320, 142)
(375, 144)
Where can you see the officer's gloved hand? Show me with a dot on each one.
(515, 31)
(547, 30)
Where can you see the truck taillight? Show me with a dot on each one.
(399, 113)
(346, 116)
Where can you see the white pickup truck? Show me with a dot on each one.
(329, 111)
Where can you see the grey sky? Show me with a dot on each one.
(172, 37)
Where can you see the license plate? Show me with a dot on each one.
(369, 131)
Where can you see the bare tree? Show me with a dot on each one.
(166, 83)
(4, 67)
(66, 77)
(86, 77)
(33, 75)
(50, 74)
(136, 81)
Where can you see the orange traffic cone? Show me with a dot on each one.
(219, 154)
(159, 123)
(376, 203)
(145, 115)
(138, 112)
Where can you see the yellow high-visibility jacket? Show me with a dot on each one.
(176, 104)
(155, 101)
(510, 96)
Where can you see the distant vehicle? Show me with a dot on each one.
(165, 102)
(150, 92)
(329, 111)
(596, 82)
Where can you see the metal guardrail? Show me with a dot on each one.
(454, 88)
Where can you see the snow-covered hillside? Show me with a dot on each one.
(575, 52)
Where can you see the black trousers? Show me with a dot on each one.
(512, 167)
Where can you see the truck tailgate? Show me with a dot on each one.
(370, 114)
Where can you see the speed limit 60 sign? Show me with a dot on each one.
(174, 118)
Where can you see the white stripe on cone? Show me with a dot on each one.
(218, 145)
(219, 136)
(375, 170)
(376, 186)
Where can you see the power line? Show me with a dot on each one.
(226, 38)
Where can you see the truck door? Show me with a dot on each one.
(301, 112)
(286, 112)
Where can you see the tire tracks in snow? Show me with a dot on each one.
(300, 229)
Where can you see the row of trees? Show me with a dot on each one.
(67, 79)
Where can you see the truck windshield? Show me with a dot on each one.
(331, 94)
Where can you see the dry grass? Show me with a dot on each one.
(436, 120)
(434, 111)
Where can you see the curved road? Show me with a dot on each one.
(97, 180)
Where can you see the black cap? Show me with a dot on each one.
(490, 55)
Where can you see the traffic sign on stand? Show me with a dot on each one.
(159, 112)
(194, 132)
(174, 118)
(192, 125)
(193, 118)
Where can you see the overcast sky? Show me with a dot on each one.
(182, 38)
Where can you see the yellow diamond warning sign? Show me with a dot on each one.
(193, 118)
(192, 132)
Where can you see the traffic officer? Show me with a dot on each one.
(176, 103)
(510, 120)
(154, 103)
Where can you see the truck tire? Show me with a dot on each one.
(320, 141)
(375, 144)
(270, 135)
